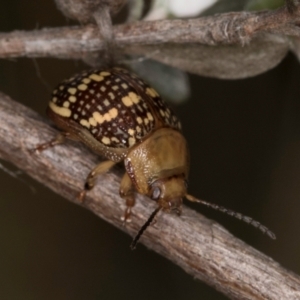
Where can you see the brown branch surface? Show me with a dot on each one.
(200, 246)
(229, 28)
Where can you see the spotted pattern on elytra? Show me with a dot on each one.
(117, 107)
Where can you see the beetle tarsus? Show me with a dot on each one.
(126, 218)
(81, 196)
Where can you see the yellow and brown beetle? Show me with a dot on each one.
(122, 118)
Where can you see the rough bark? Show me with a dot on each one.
(224, 29)
(230, 46)
(200, 246)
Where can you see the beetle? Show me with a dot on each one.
(122, 118)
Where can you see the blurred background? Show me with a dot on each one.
(244, 138)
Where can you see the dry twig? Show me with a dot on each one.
(189, 45)
(230, 28)
(200, 246)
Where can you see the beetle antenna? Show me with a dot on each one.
(144, 227)
(235, 214)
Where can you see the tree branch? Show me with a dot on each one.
(203, 248)
(228, 29)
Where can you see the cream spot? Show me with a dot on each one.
(104, 73)
(106, 102)
(86, 80)
(82, 87)
(54, 99)
(54, 92)
(134, 97)
(131, 131)
(162, 112)
(127, 101)
(114, 139)
(103, 88)
(61, 87)
(62, 111)
(92, 121)
(139, 120)
(72, 99)
(124, 86)
(138, 129)
(131, 141)
(96, 77)
(75, 116)
(146, 121)
(111, 95)
(115, 87)
(66, 104)
(113, 112)
(105, 140)
(131, 99)
(150, 117)
(151, 92)
(85, 123)
(72, 91)
(98, 117)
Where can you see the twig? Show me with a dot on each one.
(229, 28)
(200, 246)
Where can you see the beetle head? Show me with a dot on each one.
(169, 192)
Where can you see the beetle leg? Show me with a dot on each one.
(91, 178)
(60, 138)
(127, 193)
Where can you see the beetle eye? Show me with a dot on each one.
(156, 193)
